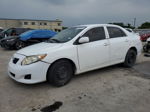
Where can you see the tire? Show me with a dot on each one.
(19, 44)
(60, 73)
(7, 47)
(145, 48)
(130, 58)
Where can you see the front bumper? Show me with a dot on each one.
(7, 44)
(37, 71)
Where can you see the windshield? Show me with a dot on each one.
(66, 35)
(4, 31)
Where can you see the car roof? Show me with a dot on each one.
(95, 25)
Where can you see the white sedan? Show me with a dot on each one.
(73, 51)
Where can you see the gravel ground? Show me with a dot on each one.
(111, 89)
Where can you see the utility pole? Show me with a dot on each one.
(134, 22)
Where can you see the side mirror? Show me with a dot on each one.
(5, 35)
(84, 40)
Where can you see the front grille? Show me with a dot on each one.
(15, 60)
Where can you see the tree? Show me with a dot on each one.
(145, 25)
(123, 25)
(63, 28)
(129, 26)
(119, 24)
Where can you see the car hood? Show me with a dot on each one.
(41, 48)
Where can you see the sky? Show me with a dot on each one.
(76, 12)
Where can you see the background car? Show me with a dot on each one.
(13, 32)
(144, 37)
(27, 38)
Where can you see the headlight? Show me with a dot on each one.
(32, 59)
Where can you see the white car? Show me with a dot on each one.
(73, 51)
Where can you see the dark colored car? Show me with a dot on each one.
(26, 38)
(13, 32)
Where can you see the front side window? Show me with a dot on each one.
(95, 34)
(66, 35)
(8, 32)
(115, 32)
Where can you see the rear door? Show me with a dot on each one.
(119, 44)
(95, 53)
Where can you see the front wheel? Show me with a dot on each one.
(19, 45)
(60, 73)
(130, 58)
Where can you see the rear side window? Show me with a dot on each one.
(21, 30)
(95, 34)
(115, 32)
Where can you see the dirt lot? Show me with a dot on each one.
(111, 89)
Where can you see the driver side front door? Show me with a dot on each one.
(95, 53)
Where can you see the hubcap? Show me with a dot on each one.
(131, 58)
(20, 45)
(62, 72)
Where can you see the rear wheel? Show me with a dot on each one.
(19, 44)
(145, 48)
(130, 58)
(60, 73)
